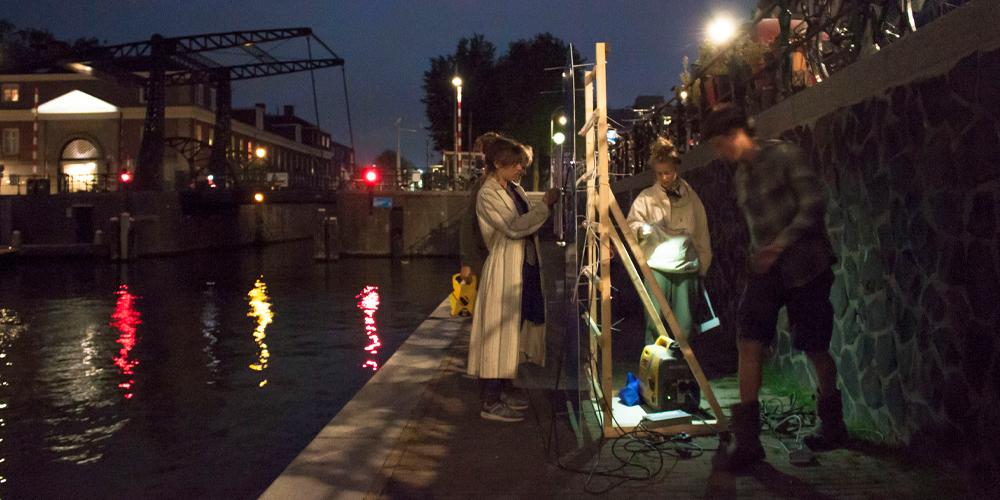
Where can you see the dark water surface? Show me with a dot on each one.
(193, 376)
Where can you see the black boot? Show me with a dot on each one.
(831, 433)
(744, 450)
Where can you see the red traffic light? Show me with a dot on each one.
(125, 177)
(370, 176)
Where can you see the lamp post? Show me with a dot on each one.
(399, 154)
(457, 83)
(556, 139)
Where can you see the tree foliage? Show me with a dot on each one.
(21, 48)
(512, 94)
(386, 161)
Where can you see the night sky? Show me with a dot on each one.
(387, 45)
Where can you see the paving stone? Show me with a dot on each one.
(981, 221)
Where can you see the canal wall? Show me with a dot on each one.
(62, 225)
(399, 224)
(908, 141)
(404, 223)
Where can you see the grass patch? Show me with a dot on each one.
(779, 383)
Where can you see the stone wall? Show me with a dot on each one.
(914, 188)
(914, 179)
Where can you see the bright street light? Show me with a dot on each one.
(684, 95)
(558, 138)
(562, 120)
(261, 152)
(258, 197)
(721, 30)
(457, 81)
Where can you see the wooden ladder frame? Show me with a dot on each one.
(602, 206)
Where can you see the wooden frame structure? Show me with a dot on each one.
(604, 214)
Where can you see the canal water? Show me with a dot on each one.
(194, 376)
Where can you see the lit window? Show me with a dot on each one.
(197, 132)
(11, 141)
(11, 92)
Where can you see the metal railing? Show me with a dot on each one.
(815, 39)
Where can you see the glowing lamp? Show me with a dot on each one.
(261, 153)
(559, 138)
(258, 197)
(457, 81)
(125, 177)
(721, 30)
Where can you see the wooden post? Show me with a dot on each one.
(604, 230)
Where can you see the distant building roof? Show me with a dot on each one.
(647, 102)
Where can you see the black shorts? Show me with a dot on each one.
(810, 313)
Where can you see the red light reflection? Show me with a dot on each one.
(125, 319)
(368, 302)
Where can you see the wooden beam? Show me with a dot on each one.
(633, 274)
(604, 230)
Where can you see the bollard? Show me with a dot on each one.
(98, 237)
(332, 227)
(15, 239)
(319, 235)
(124, 233)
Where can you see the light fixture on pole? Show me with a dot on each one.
(457, 83)
(721, 30)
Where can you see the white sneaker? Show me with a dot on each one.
(500, 412)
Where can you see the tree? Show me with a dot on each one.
(474, 61)
(386, 162)
(515, 95)
(22, 48)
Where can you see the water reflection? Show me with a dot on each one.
(126, 318)
(11, 328)
(368, 303)
(210, 328)
(260, 309)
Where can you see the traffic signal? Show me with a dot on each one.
(371, 176)
(125, 177)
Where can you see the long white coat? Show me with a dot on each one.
(499, 341)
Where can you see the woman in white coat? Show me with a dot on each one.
(670, 222)
(508, 324)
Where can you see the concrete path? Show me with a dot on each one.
(414, 431)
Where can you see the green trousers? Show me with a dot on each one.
(682, 291)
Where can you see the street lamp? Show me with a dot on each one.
(457, 83)
(559, 138)
(721, 30)
(261, 152)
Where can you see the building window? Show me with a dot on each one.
(11, 92)
(211, 99)
(197, 132)
(142, 95)
(199, 96)
(11, 141)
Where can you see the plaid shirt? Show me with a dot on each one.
(784, 202)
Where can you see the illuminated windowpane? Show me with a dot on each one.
(11, 92)
(11, 141)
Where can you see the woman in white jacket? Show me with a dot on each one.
(508, 323)
(670, 223)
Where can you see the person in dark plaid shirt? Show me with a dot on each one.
(784, 202)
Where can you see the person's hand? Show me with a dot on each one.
(551, 196)
(762, 260)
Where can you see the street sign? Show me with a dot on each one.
(382, 202)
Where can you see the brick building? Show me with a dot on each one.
(67, 132)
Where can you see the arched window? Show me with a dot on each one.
(81, 165)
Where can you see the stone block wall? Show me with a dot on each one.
(914, 189)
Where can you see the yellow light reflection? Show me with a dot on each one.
(260, 309)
